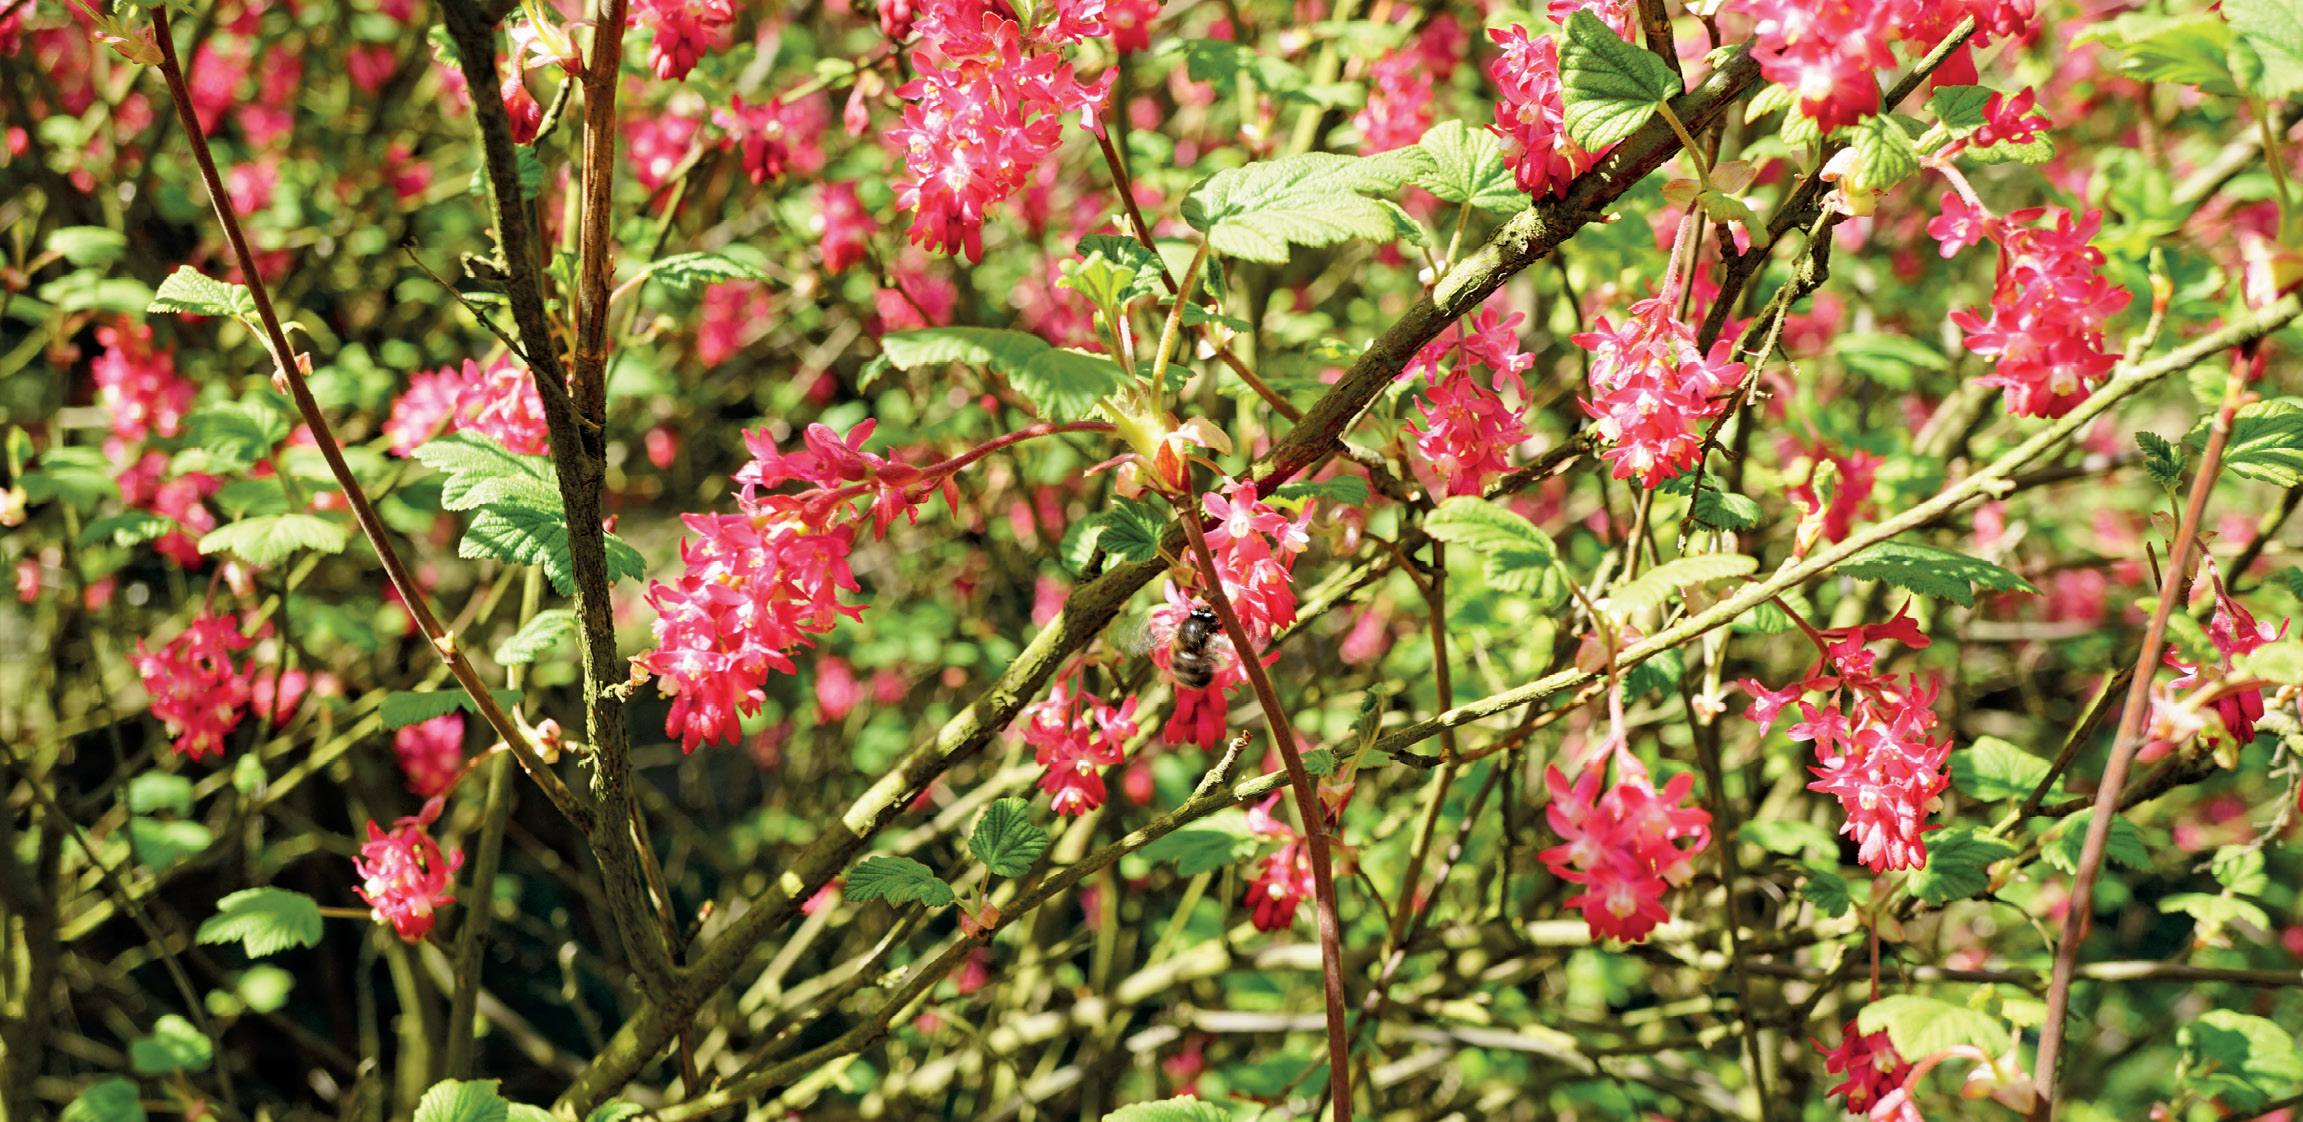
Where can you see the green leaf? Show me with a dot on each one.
(526, 536)
(1314, 199)
(1609, 87)
(2193, 50)
(2161, 459)
(88, 245)
(89, 290)
(1922, 1026)
(1319, 762)
(1791, 837)
(155, 791)
(1519, 557)
(2126, 845)
(129, 528)
(463, 1100)
(78, 476)
(2241, 1059)
(1126, 253)
(1722, 511)
(1348, 490)
(1004, 351)
(1005, 839)
(263, 921)
(615, 1110)
(1211, 843)
(2274, 28)
(1827, 890)
(1657, 585)
(111, 1099)
(268, 539)
(2038, 150)
(2280, 662)
(159, 844)
(1065, 383)
(1959, 108)
(1222, 62)
(481, 472)
(898, 880)
(1928, 571)
(1894, 361)
(2266, 441)
(1661, 672)
(1956, 859)
(1131, 530)
(2214, 913)
(690, 271)
(1991, 769)
(1108, 281)
(2240, 869)
(1185, 1109)
(264, 987)
(238, 432)
(537, 638)
(413, 707)
(1883, 154)
(173, 1046)
(187, 291)
(1466, 166)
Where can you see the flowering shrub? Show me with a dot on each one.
(1135, 560)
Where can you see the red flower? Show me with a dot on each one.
(2048, 310)
(1531, 118)
(1652, 388)
(431, 754)
(405, 877)
(775, 137)
(194, 686)
(1074, 736)
(848, 227)
(1622, 847)
(684, 30)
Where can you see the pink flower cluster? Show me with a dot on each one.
(137, 388)
(1875, 1074)
(1467, 428)
(500, 403)
(1401, 84)
(974, 128)
(2048, 308)
(1284, 880)
(1824, 51)
(1652, 389)
(1073, 735)
(431, 754)
(405, 877)
(195, 688)
(1623, 846)
(1255, 547)
(776, 138)
(848, 227)
(1531, 118)
(146, 485)
(758, 583)
(1871, 740)
(683, 31)
(2234, 632)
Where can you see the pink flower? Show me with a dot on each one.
(1075, 736)
(1887, 774)
(1960, 225)
(195, 688)
(683, 31)
(1652, 389)
(776, 138)
(848, 227)
(500, 403)
(2234, 632)
(1824, 51)
(972, 131)
(431, 753)
(1531, 118)
(1254, 547)
(1622, 847)
(837, 690)
(405, 877)
(520, 105)
(658, 142)
(1281, 886)
(1131, 22)
(2048, 312)
(1398, 109)
(137, 387)
(2008, 120)
(426, 408)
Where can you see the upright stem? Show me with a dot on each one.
(308, 408)
(1308, 807)
(2077, 915)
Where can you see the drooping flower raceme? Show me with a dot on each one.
(1872, 747)
(1531, 118)
(1874, 1073)
(1074, 735)
(2234, 632)
(1651, 389)
(431, 754)
(2048, 307)
(137, 387)
(974, 129)
(1283, 880)
(776, 138)
(404, 876)
(1401, 86)
(1466, 427)
(1623, 846)
(683, 31)
(195, 688)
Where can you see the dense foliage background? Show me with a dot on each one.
(858, 775)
